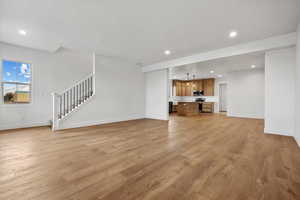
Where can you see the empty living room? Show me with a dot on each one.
(150, 100)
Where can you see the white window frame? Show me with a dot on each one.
(3, 82)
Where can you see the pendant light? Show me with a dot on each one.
(187, 78)
(194, 85)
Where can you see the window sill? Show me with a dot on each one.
(18, 105)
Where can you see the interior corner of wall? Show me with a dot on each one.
(297, 138)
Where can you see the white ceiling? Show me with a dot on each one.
(221, 66)
(140, 30)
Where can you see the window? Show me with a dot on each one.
(16, 82)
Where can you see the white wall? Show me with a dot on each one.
(280, 91)
(157, 92)
(218, 82)
(50, 72)
(119, 95)
(297, 130)
(245, 93)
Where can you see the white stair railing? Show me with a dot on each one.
(72, 98)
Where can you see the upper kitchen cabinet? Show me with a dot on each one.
(183, 88)
(189, 88)
(178, 88)
(209, 87)
(186, 88)
(198, 85)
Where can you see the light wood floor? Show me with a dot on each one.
(189, 158)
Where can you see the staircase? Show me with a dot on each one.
(72, 98)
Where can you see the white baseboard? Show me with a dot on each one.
(99, 122)
(149, 116)
(157, 119)
(282, 132)
(24, 125)
(278, 132)
(297, 141)
(244, 116)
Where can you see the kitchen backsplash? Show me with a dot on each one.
(192, 98)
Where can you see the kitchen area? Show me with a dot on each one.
(192, 96)
(232, 86)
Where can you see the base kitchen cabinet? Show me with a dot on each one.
(188, 108)
(208, 107)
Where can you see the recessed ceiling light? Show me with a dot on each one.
(253, 66)
(167, 52)
(220, 76)
(233, 34)
(212, 71)
(22, 32)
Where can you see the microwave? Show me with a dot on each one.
(198, 93)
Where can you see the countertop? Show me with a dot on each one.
(195, 102)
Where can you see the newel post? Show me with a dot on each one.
(94, 73)
(55, 105)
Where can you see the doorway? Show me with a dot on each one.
(223, 97)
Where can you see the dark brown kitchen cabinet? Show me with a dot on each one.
(186, 88)
(209, 87)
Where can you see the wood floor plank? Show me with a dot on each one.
(203, 157)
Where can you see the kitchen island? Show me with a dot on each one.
(194, 108)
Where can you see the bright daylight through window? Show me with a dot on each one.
(16, 82)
